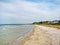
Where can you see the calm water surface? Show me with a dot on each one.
(9, 33)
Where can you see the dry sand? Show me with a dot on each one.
(42, 35)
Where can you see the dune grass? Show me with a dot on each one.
(49, 25)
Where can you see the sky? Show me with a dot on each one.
(28, 11)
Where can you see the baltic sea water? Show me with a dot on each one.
(9, 33)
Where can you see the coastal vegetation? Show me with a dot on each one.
(54, 23)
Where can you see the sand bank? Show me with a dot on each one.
(43, 35)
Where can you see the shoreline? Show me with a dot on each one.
(27, 38)
(37, 37)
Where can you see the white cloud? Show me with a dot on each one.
(24, 10)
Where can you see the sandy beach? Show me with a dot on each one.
(42, 35)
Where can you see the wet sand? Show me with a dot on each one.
(43, 35)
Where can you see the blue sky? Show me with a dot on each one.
(28, 11)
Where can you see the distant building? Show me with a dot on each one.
(54, 22)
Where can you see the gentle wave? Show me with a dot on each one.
(9, 33)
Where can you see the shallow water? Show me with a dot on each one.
(9, 33)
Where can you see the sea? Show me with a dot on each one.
(10, 34)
